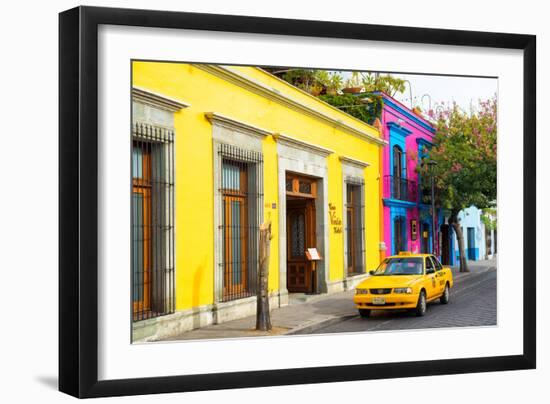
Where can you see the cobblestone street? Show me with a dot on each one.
(473, 303)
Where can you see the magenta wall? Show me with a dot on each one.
(419, 128)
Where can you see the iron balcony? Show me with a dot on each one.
(401, 188)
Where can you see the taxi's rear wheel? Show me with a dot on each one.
(364, 313)
(421, 305)
(444, 299)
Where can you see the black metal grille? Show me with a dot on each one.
(381, 291)
(241, 213)
(401, 188)
(355, 226)
(152, 258)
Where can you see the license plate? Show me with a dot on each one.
(378, 300)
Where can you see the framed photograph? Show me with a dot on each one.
(252, 202)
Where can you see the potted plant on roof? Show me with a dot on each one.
(329, 83)
(353, 85)
(334, 84)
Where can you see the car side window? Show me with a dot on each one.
(438, 266)
(429, 264)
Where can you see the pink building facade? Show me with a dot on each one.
(407, 214)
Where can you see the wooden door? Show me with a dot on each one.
(300, 236)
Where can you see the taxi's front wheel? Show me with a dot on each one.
(421, 305)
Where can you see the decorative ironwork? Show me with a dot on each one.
(152, 206)
(304, 187)
(401, 188)
(241, 194)
(355, 228)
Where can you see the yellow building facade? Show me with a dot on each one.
(216, 152)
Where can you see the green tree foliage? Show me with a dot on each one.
(465, 150)
(301, 78)
(488, 217)
(366, 107)
(389, 84)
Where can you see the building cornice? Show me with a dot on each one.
(407, 113)
(400, 129)
(422, 141)
(157, 100)
(275, 95)
(355, 162)
(300, 144)
(234, 124)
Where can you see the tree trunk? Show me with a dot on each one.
(453, 220)
(263, 319)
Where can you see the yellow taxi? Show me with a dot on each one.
(404, 281)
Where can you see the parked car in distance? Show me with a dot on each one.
(404, 281)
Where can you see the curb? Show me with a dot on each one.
(309, 328)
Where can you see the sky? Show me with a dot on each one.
(463, 90)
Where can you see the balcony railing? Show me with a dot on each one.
(401, 188)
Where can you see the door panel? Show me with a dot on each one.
(300, 236)
(398, 234)
(431, 282)
(440, 277)
(425, 238)
(471, 243)
(445, 247)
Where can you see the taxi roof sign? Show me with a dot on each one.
(404, 253)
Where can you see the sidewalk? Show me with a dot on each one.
(303, 316)
(475, 267)
(318, 311)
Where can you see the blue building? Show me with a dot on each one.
(479, 242)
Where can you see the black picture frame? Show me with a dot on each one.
(78, 201)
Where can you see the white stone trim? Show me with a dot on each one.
(355, 171)
(302, 145)
(261, 89)
(159, 328)
(351, 282)
(234, 124)
(307, 162)
(157, 100)
(355, 162)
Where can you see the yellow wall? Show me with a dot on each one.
(194, 193)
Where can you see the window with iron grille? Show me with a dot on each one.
(355, 227)
(241, 210)
(152, 221)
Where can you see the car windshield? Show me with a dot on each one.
(400, 266)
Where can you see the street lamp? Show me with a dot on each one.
(431, 168)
